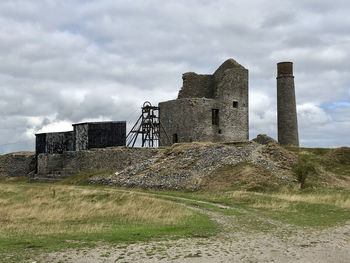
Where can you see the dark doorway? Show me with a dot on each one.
(175, 139)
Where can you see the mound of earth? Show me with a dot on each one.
(209, 166)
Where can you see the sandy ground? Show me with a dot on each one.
(234, 244)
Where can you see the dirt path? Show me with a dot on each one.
(235, 243)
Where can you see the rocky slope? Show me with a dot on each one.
(201, 165)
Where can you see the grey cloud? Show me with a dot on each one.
(77, 60)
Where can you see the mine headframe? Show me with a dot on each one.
(148, 126)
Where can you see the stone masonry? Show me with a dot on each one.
(59, 166)
(17, 164)
(209, 107)
(286, 106)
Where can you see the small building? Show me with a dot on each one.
(209, 107)
(54, 142)
(89, 135)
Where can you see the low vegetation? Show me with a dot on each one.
(50, 217)
(323, 167)
(242, 176)
(317, 197)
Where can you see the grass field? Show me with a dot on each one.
(44, 217)
(315, 209)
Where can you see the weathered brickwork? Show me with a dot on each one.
(209, 107)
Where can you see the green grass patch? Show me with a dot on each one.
(82, 178)
(196, 202)
(308, 208)
(322, 167)
(38, 218)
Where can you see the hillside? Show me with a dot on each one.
(225, 166)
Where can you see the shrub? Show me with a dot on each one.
(303, 169)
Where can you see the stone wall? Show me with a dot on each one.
(17, 164)
(197, 86)
(232, 100)
(188, 120)
(59, 166)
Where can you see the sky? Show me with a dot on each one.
(69, 61)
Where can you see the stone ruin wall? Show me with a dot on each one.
(233, 87)
(59, 166)
(17, 164)
(191, 121)
(197, 86)
(190, 117)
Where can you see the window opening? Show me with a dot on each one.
(235, 104)
(215, 116)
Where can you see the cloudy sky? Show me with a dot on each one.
(67, 61)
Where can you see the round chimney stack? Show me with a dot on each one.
(286, 106)
(285, 68)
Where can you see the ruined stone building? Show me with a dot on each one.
(209, 107)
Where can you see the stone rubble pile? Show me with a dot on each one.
(183, 166)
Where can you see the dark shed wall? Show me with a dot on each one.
(55, 142)
(106, 134)
(40, 143)
(59, 142)
(99, 134)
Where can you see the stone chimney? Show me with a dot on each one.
(286, 107)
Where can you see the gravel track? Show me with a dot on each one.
(285, 243)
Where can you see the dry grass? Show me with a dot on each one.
(30, 210)
(285, 201)
(332, 166)
(339, 200)
(243, 176)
